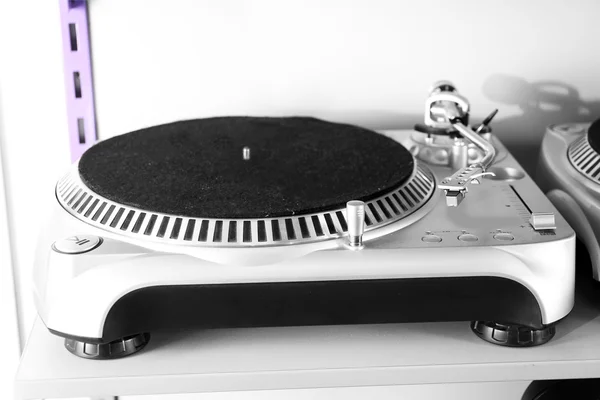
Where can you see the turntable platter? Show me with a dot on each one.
(245, 182)
(584, 153)
(199, 168)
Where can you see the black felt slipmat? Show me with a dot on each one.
(594, 136)
(195, 168)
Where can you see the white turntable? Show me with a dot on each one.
(242, 221)
(569, 171)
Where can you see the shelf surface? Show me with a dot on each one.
(314, 357)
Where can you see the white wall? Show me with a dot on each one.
(32, 137)
(365, 62)
(9, 334)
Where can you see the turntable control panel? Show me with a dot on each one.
(507, 208)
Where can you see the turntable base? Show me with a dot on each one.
(386, 360)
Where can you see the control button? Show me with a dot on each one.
(77, 244)
(431, 239)
(504, 237)
(542, 220)
(468, 237)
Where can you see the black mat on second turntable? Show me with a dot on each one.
(195, 168)
(594, 136)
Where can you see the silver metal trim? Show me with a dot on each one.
(585, 159)
(82, 203)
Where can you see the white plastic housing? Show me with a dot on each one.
(74, 293)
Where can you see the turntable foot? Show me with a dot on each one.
(512, 335)
(108, 351)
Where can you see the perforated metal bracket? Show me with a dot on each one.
(77, 67)
(82, 203)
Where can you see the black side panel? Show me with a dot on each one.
(321, 303)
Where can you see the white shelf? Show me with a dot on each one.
(313, 357)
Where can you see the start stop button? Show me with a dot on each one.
(504, 237)
(77, 244)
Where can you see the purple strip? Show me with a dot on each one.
(78, 76)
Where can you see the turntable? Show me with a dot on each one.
(248, 221)
(569, 170)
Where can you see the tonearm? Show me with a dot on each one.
(447, 109)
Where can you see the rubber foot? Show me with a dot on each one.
(512, 335)
(108, 351)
